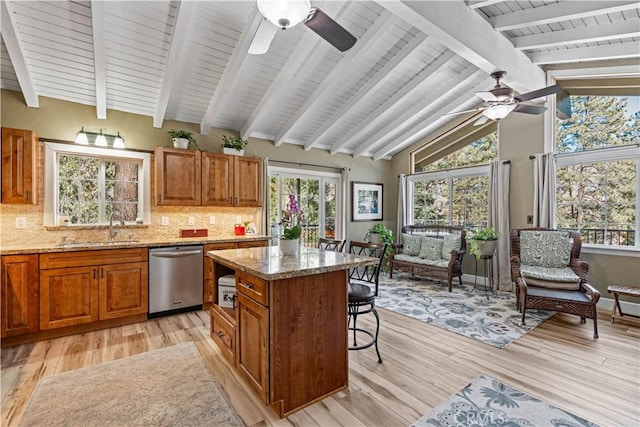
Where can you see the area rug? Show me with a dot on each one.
(166, 387)
(492, 320)
(489, 402)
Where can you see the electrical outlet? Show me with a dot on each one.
(238, 220)
(529, 219)
(212, 220)
(165, 220)
(192, 220)
(21, 222)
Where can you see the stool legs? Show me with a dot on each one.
(354, 311)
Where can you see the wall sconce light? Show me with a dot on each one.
(99, 139)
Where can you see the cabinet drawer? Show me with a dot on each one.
(89, 258)
(253, 244)
(223, 333)
(253, 287)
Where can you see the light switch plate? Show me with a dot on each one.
(192, 220)
(165, 220)
(21, 222)
(212, 220)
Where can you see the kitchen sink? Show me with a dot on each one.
(95, 244)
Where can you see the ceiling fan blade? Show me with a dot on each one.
(263, 37)
(465, 111)
(329, 30)
(487, 96)
(549, 90)
(482, 120)
(529, 109)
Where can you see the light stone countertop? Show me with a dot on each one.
(86, 246)
(269, 264)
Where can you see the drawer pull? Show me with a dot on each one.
(247, 285)
(219, 334)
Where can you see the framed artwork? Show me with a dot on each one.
(366, 201)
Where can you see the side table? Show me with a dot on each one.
(617, 313)
(488, 279)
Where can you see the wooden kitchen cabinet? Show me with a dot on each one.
(177, 175)
(231, 180)
(19, 166)
(87, 286)
(223, 331)
(19, 294)
(252, 351)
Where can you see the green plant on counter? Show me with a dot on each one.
(234, 142)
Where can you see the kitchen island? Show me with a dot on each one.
(287, 334)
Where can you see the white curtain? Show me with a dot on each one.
(264, 210)
(499, 219)
(544, 179)
(344, 198)
(402, 206)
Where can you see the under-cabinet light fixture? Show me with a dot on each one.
(99, 139)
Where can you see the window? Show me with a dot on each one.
(454, 188)
(85, 185)
(598, 168)
(318, 197)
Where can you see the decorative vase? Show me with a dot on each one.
(375, 238)
(232, 151)
(180, 142)
(289, 246)
(487, 247)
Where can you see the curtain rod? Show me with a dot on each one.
(307, 164)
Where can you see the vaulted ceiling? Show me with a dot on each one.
(412, 62)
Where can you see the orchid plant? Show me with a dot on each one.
(291, 218)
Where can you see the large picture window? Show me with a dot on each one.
(84, 186)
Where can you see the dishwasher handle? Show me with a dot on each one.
(175, 254)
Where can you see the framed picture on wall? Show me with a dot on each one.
(366, 201)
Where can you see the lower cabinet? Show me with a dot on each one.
(19, 287)
(94, 285)
(223, 331)
(253, 335)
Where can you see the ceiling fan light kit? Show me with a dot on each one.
(498, 112)
(284, 13)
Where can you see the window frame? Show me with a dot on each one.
(53, 150)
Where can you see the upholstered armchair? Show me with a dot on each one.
(549, 275)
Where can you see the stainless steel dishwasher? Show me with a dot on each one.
(175, 279)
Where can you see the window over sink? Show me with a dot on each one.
(85, 185)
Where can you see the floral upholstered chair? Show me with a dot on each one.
(549, 275)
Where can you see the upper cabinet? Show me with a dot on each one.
(192, 178)
(19, 166)
(231, 180)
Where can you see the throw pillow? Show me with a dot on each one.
(411, 244)
(451, 242)
(551, 249)
(430, 248)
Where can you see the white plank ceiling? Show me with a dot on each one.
(413, 62)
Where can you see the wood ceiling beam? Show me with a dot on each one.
(303, 51)
(394, 105)
(369, 88)
(420, 130)
(595, 53)
(229, 75)
(557, 12)
(610, 31)
(174, 60)
(415, 112)
(99, 32)
(15, 48)
(472, 37)
(335, 76)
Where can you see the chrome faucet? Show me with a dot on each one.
(112, 232)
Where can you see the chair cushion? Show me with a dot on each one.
(551, 249)
(423, 261)
(562, 274)
(552, 285)
(431, 248)
(411, 245)
(451, 242)
(359, 292)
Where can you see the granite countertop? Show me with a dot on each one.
(84, 246)
(268, 264)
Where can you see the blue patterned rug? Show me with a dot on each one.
(488, 402)
(493, 320)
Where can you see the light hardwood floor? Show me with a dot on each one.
(559, 362)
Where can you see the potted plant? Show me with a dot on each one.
(291, 218)
(483, 241)
(379, 234)
(183, 139)
(233, 145)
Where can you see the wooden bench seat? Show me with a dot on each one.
(617, 313)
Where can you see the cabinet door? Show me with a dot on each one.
(68, 296)
(19, 287)
(251, 347)
(123, 290)
(217, 179)
(177, 176)
(19, 166)
(247, 179)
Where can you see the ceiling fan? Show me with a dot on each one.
(501, 100)
(283, 14)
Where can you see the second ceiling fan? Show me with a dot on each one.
(283, 14)
(501, 100)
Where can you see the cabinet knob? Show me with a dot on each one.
(247, 285)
